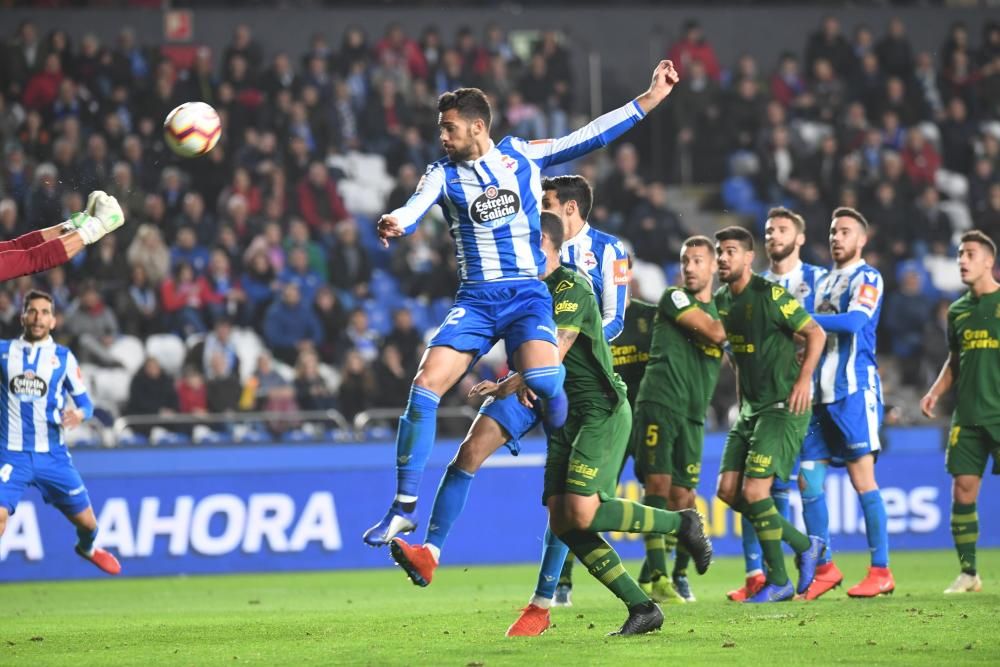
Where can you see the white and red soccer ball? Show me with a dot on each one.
(192, 129)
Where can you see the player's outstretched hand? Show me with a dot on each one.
(927, 405)
(801, 397)
(665, 77)
(105, 208)
(388, 228)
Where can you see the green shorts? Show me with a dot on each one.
(666, 443)
(585, 455)
(765, 443)
(969, 449)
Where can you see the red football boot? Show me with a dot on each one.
(416, 560)
(828, 576)
(752, 586)
(879, 581)
(532, 622)
(102, 559)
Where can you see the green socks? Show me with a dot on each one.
(631, 517)
(566, 576)
(605, 565)
(772, 529)
(657, 545)
(965, 532)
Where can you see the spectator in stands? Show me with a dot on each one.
(93, 326)
(43, 200)
(55, 283)
(350, 267)
(361, 336)
(895, 54)
(186, 250)
(359, 390)
(151, 392)
(183, 297)
(311, 390)
(958, 133)
(787, 82)
(693, 47)
(149, 251)
(10, 224)
(192, 395)
(290, 325)
(655, 231)
(219, 344)
(392, 374)
(333, 320)
(933, 226)
(298, 237)
(43, 87)
(226, 298)
(319, 202)
(193, 214)
(136, 305)
(298, 273)
(106, 264)
(829, 44)
(988, 219)
(906, 312)
(222, 386)
(265, 379)
(405, 338)
(128, 194)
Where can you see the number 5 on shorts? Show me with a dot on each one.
(652, 435)
(5, 472)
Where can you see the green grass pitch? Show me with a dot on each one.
(379, 618)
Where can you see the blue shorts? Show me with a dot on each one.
(844, 430)
(52, 473)
(484, 313)
(514, 417)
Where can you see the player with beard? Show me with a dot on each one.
(784, 236)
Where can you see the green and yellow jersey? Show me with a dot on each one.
(974, 340)
(682, 370)
(760, 322)
(590, 373)
(630, 350)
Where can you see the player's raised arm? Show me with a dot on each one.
(603, 130)
(865, 297)
(404, 219)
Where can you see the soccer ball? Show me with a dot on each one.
(192, 129)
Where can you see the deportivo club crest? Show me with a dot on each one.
(495, 207)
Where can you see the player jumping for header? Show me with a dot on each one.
(490, 195)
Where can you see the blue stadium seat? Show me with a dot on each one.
(385, 289)
(134, 440)
(379, 316)
(420, 313)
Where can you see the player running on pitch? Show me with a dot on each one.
(761, 318)
(974, 365)
(847, 413)
(784, 236)
(669, 423)
(37, 375)
(44, 249)
(490, 194)
(584, 456)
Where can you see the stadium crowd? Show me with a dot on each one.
(273, 231)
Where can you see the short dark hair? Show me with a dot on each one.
(571, 188)
(854, 214)
(977, 236)
(552, 227)
(788, 214)
(698, 241)
(735, 233)
(471, 104)
(36, 294)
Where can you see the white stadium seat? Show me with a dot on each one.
(169, 350)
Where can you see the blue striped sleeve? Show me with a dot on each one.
(596, 134)
(429, 191)
(614, 275)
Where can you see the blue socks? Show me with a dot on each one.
(448, 504)
(414, 441)
(814, 509)
(752, 553)
(547, 383)
(781, 501)
(85, 539)
(876, 527)
(554, 554)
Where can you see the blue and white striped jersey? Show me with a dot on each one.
(801, 282)
(848, 363)
(600, 258)
(492, 205)
(36, 378)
